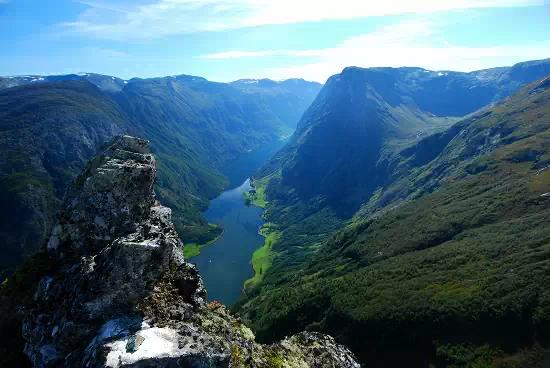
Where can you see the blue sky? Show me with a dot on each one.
(224, 40)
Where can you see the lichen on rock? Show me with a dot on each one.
(123, 295)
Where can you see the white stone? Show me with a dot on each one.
(157, 343)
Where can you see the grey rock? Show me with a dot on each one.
(123, 295)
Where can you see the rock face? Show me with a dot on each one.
(123, 296)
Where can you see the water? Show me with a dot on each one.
(225, 264)
(246, 164)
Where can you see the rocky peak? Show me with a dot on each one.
(123, 296)
(109, 199)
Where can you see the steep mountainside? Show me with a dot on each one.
(447, 239)
(118, 293)
(347, 146)
(47, 132)
(51, 125)
(363, 116)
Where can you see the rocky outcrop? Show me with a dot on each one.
(122, 294)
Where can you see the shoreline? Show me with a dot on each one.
(194, 249)
(262, 258)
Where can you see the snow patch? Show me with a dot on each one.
(145, 243)
(114, 328)
(157, 342)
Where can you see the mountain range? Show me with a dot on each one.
(408, 218)
(51, 125)
(406, 210)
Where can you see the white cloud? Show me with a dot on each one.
(104, 53)
(104, 19)
(402, 44)
(237, 54)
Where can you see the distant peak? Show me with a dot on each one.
(189, 78)
(247, 81)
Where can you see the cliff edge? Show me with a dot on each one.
(122, 294)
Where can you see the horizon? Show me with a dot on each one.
(228, 40)
(267, 78)
(275, 183)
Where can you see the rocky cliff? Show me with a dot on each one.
(122, 295)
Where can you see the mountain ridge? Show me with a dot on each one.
(404, 178)
(196, 128)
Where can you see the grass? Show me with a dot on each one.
(257, 196)
(191, 250)
(262, 258)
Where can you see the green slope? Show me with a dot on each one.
(454, 269)
(355, 145)
(46, 133)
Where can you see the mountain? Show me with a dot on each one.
(363, 116)
(412, 248)
(346, 146)
(116, 291)
(47, 131)
(50, 126)
(288, 99)
(103, 82)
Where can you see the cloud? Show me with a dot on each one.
(100, 53)
(401, 33)
(401, 44)
(261, 53)
(110, 20)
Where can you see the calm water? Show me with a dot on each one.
(225, 264)
(244, 166)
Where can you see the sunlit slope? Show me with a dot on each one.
(455, 268)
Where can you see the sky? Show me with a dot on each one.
(225, 40)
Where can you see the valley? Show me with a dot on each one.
(225, 263)
(404, 213)
(414, 250)
(274, 184)
(207, 137)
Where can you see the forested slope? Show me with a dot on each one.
(445, 261)
(50, 126)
